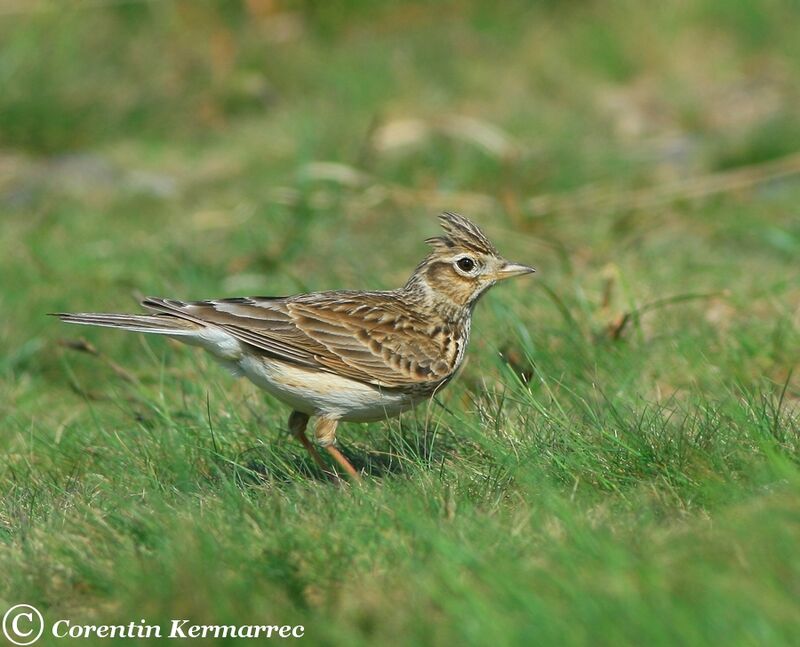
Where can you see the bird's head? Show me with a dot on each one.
(463, 264)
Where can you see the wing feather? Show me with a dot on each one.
(370, 337)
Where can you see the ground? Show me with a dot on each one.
(618, 462)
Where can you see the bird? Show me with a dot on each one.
(343, 355)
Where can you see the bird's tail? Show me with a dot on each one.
(156, 324)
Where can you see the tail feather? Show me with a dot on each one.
(157, 324)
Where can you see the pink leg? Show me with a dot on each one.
(325, 433)
(297, 425)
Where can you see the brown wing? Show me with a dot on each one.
(371, 337)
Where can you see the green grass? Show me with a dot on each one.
(584, 481)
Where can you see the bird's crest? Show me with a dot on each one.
(460, 232)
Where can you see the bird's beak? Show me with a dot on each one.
(513, 269)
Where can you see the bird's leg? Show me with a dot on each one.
(297, 425)
(345, 464)
(325, 433)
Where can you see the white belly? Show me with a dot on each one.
(315, 393)
(324, 394)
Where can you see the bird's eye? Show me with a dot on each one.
(465, 264)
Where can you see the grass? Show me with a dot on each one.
(618, 462)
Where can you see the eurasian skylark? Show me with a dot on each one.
(342, 355)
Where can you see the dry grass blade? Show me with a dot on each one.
(617, 327)
(660, 195)
(588, 198)
(83, 346)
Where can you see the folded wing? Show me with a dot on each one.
(369, 337)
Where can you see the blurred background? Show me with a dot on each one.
(202, 148)
(638, 392)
